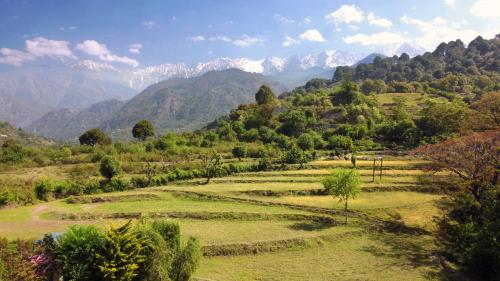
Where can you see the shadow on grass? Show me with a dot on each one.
(311, 225)
(411, 246)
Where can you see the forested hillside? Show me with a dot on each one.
(451, 67)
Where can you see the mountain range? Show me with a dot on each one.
(172, 105)
(27, 94)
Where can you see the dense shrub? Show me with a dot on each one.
(239, 152)
(78, 242)
(109, 167)
(12, 152)
(340, 144)
(43, 189)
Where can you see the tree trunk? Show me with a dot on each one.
(345, 211)
(381, 163)
(373, 177)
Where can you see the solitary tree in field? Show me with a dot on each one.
(212, 162)
(94, 136)
(143, 130)
(343, 184)
(109, 167)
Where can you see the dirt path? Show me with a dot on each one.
(35, 213)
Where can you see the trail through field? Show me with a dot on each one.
(35, 213)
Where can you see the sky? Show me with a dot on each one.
(135, 34)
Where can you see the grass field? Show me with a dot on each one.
(263, 230)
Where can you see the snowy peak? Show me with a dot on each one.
(139, 79)
(93, 66)
(410, 50)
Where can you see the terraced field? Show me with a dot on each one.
(265, 225)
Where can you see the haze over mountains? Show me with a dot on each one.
(30, 96)
(172, 105)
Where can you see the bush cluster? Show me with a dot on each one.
(146, 251)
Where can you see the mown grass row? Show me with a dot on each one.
(238, 216)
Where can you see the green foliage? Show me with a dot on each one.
(143, 130)
(340, 144)
(343, 184)
(77, 251)
(43, 189)
(12, 152)
(186, 261)
(121, 255)
(109, 167)
(295, 156)
(212, 163)
(239, 152)
(294, 122)
(441, 119)
(93, 137)
(369, 86)
(264, 95)
(347, 94)
(306, 141)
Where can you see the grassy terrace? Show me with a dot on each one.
(293, 234)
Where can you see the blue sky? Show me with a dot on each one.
(142, 33)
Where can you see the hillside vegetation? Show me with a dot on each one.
(334, 180)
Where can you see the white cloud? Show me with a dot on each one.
(197, 38)
(35, 48)
(353, 27)
(40, 47)
(312, 35)
(307, 20)
(14, 57)
(283, 19)
(69, 28)
(246, 41)
(94, 48)
(346, 14)
(243, 41)
(148, 24)
(220, 38)
(382, 22)
(450, 3)
(290, 41)
(135, 48)
(486, 9)
(376, 39)
(439, 30)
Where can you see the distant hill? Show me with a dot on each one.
(8, 131)
(172, 105)
(369, 59)
(188, 104)
(27, 94)
(68, 124)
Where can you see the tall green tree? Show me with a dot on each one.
(94, 136)
(264, 95)
(343, 184)
(143, 130)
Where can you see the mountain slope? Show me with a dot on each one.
(186, 104)
(26, 94)
(11, 132)
(68, 124)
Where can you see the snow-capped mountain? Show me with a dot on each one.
(141, 78)
(93, 66)
(411, 50)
